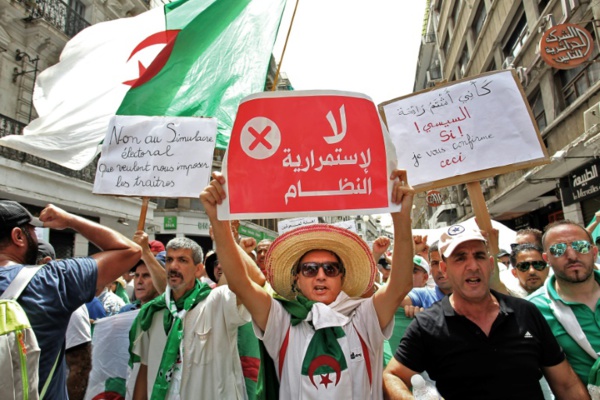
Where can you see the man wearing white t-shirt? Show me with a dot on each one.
(324, 340)
(186, 339)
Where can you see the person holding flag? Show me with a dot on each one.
(325, 341)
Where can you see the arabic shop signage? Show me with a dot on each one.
(170, 222)
(581, 184)
(434, 198)
(566, 46)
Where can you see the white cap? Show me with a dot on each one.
(455, 235)
(421, 262)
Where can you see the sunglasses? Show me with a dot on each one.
(580, 246)
(537, 265)
(330, 268)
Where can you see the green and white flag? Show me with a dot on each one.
(188, 58)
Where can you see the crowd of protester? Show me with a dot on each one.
(316, 313)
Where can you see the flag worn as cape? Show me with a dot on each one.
(188, 58)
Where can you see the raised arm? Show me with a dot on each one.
(388, 298)
(118, 253)
(157, 271)
(237, 266)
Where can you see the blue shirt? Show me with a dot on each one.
(56, 290)
(425, 297)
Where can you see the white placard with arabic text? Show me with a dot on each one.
(156, 156)
(470, 126)
(293, 223)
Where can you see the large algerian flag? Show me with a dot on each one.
(188, 58)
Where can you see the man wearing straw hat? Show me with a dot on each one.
(325, 341)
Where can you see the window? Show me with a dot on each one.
(537, 107)
(574, 82)
(446, 47)
(75, 21)
(464, 61)
(542, 5)
(454, 13)
(479, 19)
(517, 37)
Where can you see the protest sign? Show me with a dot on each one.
(350, 225)
(314, 152)
(465, 131)
(293, 223)
(156, 156)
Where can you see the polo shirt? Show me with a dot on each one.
(588, 320)
(420, 297)
(467, 364)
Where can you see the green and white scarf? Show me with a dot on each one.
(173, 325)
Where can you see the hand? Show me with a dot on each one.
(402, 192)
(421, 246)
(410, 311)
(55, 218)
(380, 245)
(248, 244)
(141, 238)
(213, 194)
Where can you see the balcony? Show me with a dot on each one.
(57, 14)
(9, 126)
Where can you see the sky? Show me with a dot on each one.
(370, 47)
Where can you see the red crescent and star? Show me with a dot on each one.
(328, 361)
(145, 74)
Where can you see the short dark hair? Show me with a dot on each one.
(531, 231)
(521, 248)
(563, 222)
(434, 247)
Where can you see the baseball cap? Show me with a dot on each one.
(383, 262)
(12, 214)
(421, 262)
(503, 253)
(157, 246)
(454, 236)
(45, 249)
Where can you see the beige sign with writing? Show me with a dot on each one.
(464, 131)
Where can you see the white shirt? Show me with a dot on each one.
(355, 382)
(79, 330)
(211, 363)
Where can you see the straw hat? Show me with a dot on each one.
(286, 250)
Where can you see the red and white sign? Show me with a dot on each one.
(307, 153)
(434, 198)
(566, 46)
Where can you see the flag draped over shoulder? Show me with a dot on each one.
(188, 58)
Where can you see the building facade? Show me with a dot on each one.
(33, 33)
(463, 38)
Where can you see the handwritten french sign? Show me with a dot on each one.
(477, 124)
(317, 153)
(156, 156)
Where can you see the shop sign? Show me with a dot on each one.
(581, 184)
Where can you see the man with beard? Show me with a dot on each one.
(185, 340)
(573, 290)
(59, 287)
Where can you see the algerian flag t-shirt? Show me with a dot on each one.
(334, 362)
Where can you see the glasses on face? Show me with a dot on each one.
(537, 265)
(330, 268)
(580, 246)
(216, 263)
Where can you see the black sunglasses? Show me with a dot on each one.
(537, 265)
(330, 268)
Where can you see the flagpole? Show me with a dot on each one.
(284, 47)
(143, 212)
